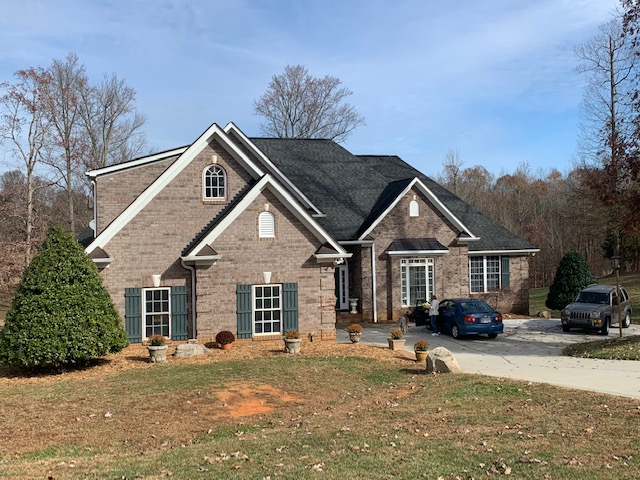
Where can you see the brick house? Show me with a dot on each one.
(259, 235)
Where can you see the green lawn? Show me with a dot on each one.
(631, 282)
(313, 417)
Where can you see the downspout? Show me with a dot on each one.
(193, 297)
(373, 281)
(95, 208)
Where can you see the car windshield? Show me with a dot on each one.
(593, 297)
(475, 306)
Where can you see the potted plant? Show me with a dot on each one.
(396, 342)
(224, 339)
(157, 349)
(421, 349)
(355, 332)
(292, 341)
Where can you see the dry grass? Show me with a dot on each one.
(337, 411)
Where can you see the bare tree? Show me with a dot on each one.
(452, 170)
(68, 142)
(299, 105)
(111, 122)
(24, 128)
(608, 65)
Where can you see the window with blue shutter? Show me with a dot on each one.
(506, 274)
(179, 313)
(290, 306)
(133, 314)
(244, 311)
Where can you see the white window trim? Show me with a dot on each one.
(414, 208)
(253, 310)
(271, 233)
(484, 273)
(428, 263)
(204, 182)
(144, 309)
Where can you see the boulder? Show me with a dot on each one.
(441, 360)
(191, 350)
(544, 314)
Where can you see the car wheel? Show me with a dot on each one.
(455, 331)
(604, 330)
(492, 335)
(627, 320)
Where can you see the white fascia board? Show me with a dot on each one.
(417, 253)
(135, 163)
(195, 259)
(213, 132)
(434, 200)
(331, 256)
(357, 242)
(285, 197)
(281, 177)
(504, 252)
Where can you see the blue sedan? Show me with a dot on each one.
(469, 316)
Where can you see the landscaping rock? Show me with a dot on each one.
(441, 360)
(544, 314)
(191, 350)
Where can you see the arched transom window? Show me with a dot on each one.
(266, 225)
(214, 183)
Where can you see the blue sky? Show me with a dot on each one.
(493, 79)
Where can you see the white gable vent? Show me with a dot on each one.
(266, 225)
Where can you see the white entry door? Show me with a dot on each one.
(342, 287)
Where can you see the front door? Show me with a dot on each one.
(342, 287)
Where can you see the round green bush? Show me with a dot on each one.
(61, 313)
(572, 275)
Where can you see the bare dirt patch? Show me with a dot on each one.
(242, 400)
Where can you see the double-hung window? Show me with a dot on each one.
(488, 273)
(156, 311)
(416, 280)
(267, 309)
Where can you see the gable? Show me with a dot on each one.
(213, 135)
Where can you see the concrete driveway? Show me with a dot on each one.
(529, 349)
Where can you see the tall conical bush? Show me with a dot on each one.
(572, 275)
(61, 313)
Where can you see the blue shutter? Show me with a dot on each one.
(179, 312)
(133, 314)
(244, 311)
(506, 274)
(290, 305)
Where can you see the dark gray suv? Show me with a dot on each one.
(596, 307)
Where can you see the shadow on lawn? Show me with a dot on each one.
(41, 372)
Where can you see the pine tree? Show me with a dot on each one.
(572, 275)
(61, 314)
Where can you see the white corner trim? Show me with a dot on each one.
(434, 200)
(278, 174)
(285, 197)
(213, 132)
(136, 163)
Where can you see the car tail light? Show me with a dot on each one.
(498, 318)
(469, 319)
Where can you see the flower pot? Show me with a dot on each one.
(157, 354)
(396, 344)
(225, 346)
(355, 337)
(292, 345)
(421, 356)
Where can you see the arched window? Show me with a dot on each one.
(414, 209)
(266, 225)
(214, 183)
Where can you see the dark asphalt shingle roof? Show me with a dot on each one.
(353, 190)
(416, 244)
